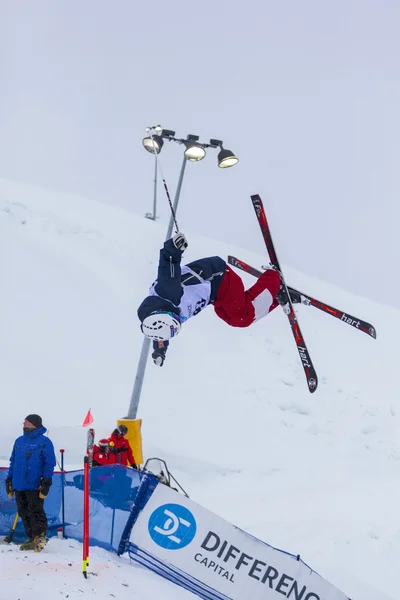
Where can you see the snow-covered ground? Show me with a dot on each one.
(57, 572)
(230, 410)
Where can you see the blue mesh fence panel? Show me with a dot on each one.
(113, 491)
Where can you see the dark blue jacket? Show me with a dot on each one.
(170, 281)
(32, 458)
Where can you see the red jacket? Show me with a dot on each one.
(120, 450)
(102, 458)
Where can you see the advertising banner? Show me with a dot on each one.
(190, 545)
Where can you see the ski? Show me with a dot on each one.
(89, 446)
(355, 322)
(311, 375)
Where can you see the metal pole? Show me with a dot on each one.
(176, 199)
(137, 387)
(155, 189)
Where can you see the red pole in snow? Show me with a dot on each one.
(85, 562)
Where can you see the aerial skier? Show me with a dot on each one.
(181, 292)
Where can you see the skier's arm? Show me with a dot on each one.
(159, 352)
(131, 458)
(11, 468)
(168, 284)
(49, 460)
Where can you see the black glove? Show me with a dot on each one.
(179, 240)
(158, 358)
(9, 490)
(44, 488)
(159, 352)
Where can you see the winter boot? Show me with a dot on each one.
(29, 544)
(39, 542)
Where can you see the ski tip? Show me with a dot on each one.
(312, 384)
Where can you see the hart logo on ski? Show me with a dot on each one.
(350, 321)
(172, 526)
(303, 356)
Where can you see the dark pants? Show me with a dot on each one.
(31, 510)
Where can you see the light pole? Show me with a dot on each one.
(194, 152)
(153, 216)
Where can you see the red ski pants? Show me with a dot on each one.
(240, 308)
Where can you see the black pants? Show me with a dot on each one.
(31, 510)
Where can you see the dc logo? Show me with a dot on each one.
(172, 526)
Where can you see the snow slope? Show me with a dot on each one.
(230, 411)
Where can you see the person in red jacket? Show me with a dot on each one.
(120, 449)
(102, 455)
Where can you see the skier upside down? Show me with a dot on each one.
(180, 293)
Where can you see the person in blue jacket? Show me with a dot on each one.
(183, 291)
(30, 475)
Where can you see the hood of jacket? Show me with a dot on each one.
(34, 433)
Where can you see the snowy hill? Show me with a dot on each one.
(230, 410)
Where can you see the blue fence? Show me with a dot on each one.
(113, 491)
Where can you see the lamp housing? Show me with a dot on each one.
(194, 152)
(168, 133)
(215, 143)
(226, 159)
(153, 143)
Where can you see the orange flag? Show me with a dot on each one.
(88, 419)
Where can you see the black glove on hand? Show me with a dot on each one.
(9, 490)
(179, 240)
(159, 352)
(158, 358)
(44, 488)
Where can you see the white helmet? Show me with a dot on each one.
(161, 325)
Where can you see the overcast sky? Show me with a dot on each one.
(307, 94)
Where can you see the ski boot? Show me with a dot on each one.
(282, 296)
(295, 296)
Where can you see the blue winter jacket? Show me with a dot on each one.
(170, 281)
(32, 458)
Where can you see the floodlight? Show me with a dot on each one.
(153, 144)
(192, 138)
(226, 159)
(194, 152)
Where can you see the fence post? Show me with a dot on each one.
(62, 492)
(85, 562)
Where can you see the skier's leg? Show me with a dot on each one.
(37, 516)
(263, 293)
(230, 304)
(240, 308)
(23, 511)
